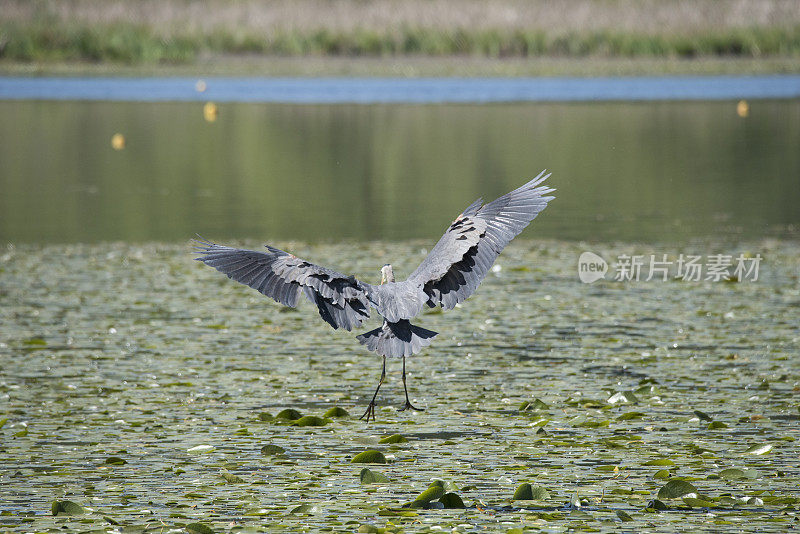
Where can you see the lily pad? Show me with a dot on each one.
(759, 449)
(694, 502)
(200, 449)
(523, 493)
(548, 516)
(675, 489)
(627, 416)
(397, 512)
(526, 492)
(451, 501)
(372, 477)
(369, 457)
(656, 506)
(394, 438)
(304, 509)
(624, 516)
(431, 494)
(311, 420)
(738, 474)
(115, 460)
(265, 416)
(622, 396)
(230, 478)
(609, 468)
(533, 406)
(703, 416)
(660, 462)
(198, 528)
(272, 450)
(67, 508)
(714, 425)
(539, 493)
(593, 424)
(336, 411)
(447, 486)
(289, 414)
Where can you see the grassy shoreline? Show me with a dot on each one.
(122, 43)
(400, 37)
(404, 67)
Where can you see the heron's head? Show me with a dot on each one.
(387, 275)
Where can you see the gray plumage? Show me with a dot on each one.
(460, 260)
(399, 339)
(341, 299)
(449, 274)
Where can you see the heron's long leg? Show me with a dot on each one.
(408, 402)
(371, 407)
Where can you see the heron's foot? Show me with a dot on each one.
(411, 406)
(370, 412)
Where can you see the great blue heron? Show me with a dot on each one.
(449, 274)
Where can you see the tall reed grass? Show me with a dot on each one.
(178, 31)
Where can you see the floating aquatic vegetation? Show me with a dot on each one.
(198, 528)
(230, 478)
(394, 438)
(336, 411)
(288, 414)
(311, 420)
(369, 457)
(675, 489)
(527, 492)
(451, 501)
(272, 450)
(200, 449)
(372, 477)
(128, 403)
(67, 508)
(437, 497)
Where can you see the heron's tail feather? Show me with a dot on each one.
(396, 340)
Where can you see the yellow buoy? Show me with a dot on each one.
(117, 141)
(210, 111)
(743, 108)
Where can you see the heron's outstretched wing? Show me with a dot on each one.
(341, 299)
(455, 267)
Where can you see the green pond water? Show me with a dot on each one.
(662, 171)
(138, 390)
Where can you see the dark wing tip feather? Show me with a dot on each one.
(200, 244)
(205, 246)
